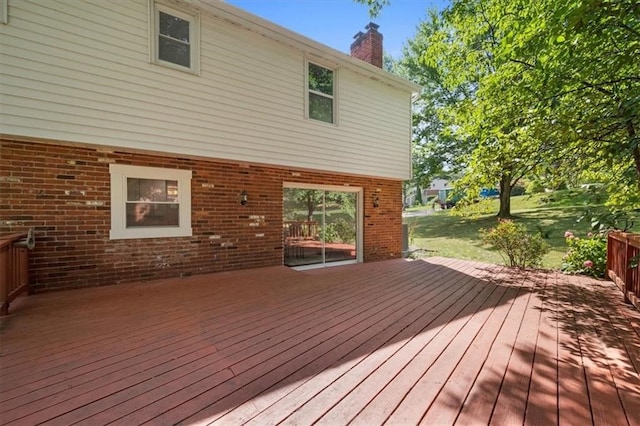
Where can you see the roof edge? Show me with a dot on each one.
(254, 23)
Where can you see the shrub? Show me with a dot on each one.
(517, 247)
(329, 234)
(586, 256)
(517, 190)
(534, 187)
(412, 229)
(340, 231)
(474, 210)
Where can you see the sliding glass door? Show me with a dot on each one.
(321, 225)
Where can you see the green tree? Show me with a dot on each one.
(485, 130)
(375, 6)
(555, 91)
(580, 59)
(436, 148)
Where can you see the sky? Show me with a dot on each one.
(335, 22)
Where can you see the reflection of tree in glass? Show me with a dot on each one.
(320, 108)
(340, 231)
(174, 27)
(173, 40)
(320, 79)
(310, 200)
(345, 201)
(320, 93)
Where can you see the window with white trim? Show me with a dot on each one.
(149, 202)
(175, 38)
(320, 93)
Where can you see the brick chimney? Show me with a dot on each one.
(368, 46)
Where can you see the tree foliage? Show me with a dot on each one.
(436, 148)
(581, 81)
(459, 124)
(515, 89)
(375, 6)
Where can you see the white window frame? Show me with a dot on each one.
(120, 173)
(334, 97)
(359, 191)
(194, 36)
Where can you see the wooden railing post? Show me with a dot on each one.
(627, 270)
(14, 267)
(5, 261)
(622, 249)
(633, 273)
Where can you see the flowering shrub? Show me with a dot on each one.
(586, 256)
(516, 246)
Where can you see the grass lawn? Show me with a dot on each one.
(443, 234)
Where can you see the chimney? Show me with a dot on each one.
(368, 46)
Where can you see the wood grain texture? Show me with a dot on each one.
(433, 341)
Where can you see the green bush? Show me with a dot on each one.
(328, 233)
(517, 247)
(517, 190)
(534, 187)
(474, 210)
(587, 256)
(340, 231)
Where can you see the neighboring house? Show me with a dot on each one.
(150, 139)
(433, 189)
(437, 185)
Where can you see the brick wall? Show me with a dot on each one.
(368, 45)
(63, 193)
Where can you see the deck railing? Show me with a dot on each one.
(302, 230)
(14, 268)
(623, 256)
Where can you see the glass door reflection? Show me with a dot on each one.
(340, 226)
(303, 220)
(319, 226)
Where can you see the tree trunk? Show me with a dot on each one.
(505, 197)
(311, 205)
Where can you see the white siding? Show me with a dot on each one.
(79, 72)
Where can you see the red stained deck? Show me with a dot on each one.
(434, 341)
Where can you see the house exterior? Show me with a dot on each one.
(151, 139)
(435, 186)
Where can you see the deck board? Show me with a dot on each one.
(543, 388)
(432, 341)
(353, 318)
(451, 398)
(606, 408)
(609, 362)
(481, 399)
(413, 323)
(458, 333)
(336, 393)
(420, 353)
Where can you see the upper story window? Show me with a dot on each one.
(175, 38)
(321, 93)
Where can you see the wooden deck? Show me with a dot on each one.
(435, 341)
